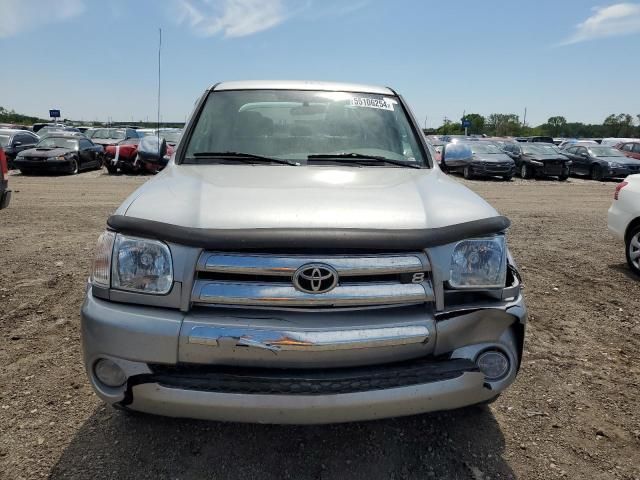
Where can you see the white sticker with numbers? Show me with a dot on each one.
(379, 103)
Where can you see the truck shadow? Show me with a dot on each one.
(461, 444)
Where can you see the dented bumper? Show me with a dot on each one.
(298, 367)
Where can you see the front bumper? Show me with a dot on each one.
(167, 376)
(552, 168)
(42, 165)
(493, 169)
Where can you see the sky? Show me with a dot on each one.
(98, 59)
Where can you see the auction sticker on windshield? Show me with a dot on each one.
(382, 104)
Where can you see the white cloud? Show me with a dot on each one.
(17, 16)
(231, 18)
(613, 20)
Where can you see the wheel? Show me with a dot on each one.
(507, 178)
(633, 249)
(596, 173)
(467, 173)
(525, 171)
(562, 178)
(73, 167)
(112, 169)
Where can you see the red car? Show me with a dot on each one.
(630, 149)
(126, 158)
(5, 193)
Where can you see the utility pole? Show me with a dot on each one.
(524, 121)
(159, 51)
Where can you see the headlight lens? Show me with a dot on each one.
(101, 275)
(142, 265)
(479, 263)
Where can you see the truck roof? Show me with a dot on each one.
(300, 85)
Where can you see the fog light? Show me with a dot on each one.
(109, 373)
(493, 364)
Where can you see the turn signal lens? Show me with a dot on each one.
(101, 275)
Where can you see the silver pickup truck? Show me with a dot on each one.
(302, 259)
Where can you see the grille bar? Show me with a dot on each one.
(284, 294)
(286, 265)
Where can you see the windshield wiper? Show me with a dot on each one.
(360, 159)
(247, 157)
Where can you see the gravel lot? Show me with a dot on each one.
(574, 411)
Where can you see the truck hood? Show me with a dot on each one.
(279, 196)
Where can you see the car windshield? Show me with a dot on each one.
(4, 140)
(58, 142)
(549, 149)
(533, 149)
(109, 134)
(605, 152)
(293, 125)
(486, 148)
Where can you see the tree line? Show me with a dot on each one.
(509, 125)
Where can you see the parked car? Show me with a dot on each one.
(483, 160)
(113, 136)
(624, 218)
(536, 139)
(126, 157)
(5, 193)
(534, 160)
(573, 141)
(15, 141)
(630, 149)
(612, 141)
(60, 153)
(302, 259)
(600, 162)
(55, 130)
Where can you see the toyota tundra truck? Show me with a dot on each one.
(302, 259)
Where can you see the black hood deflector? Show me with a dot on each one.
(307, 238)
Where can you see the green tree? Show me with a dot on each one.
(501, 124)
(556, 125)
(477, 123)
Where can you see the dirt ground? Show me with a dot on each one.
(574, 411)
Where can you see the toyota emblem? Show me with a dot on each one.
(315, 278)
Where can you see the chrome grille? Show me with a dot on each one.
(253, 279)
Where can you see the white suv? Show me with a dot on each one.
(624, 218)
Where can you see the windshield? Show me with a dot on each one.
(533, 149)
(58, 142)
(549, 149)
(486, 148)
(605, 152)
(109, 134)
(293, 125)
(4, 140)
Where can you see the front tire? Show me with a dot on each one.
(507, 178)
(73, 167)
(633, 249)
(525, 171)
(112, 169)
(596, 173)
(467, 173)
(562, 178)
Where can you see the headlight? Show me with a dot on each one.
(133, 264)
(141, 265)
(537, 163)
(479, 263)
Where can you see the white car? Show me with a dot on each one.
(624, 218)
